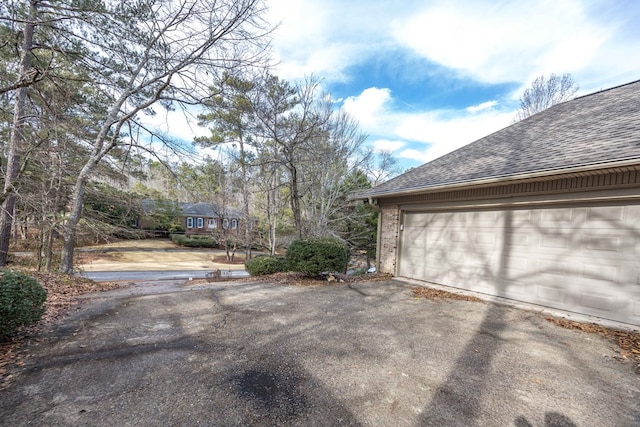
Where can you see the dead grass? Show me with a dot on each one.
(437, 294)
(136, 244)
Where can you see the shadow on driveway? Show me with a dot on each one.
(364, 354)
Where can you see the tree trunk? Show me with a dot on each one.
(295, 199)
(77, 199)
(70, 228)
(245, 203)
(273, 225)
(17, 140)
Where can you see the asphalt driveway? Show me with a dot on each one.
(361, 354)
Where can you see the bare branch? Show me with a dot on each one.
(545, 92)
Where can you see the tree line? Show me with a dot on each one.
(78, 78)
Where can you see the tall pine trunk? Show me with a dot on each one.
(17, 140)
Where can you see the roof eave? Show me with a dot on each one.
(584, 170)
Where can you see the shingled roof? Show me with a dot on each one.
(602, 128)
(201, 209)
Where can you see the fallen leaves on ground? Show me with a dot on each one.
(63, 290)
(437, 294)
(62, 294)
(628, 341)
(301, 279)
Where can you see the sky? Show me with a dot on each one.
(424, 78)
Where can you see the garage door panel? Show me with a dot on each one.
(485, 237)
(552, 266)
(556, 241)
(549, 295)
(554, 217)
(584, 259)
(459, 236)
(599, 304)
(515, 289)
(483, 218)
(518, 239)
(516, 267)
(604, 216)
(601, 272)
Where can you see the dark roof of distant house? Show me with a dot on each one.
(602, 128)
(209, 210)
(199, 209)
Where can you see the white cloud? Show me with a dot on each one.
(441, 131)
(446, 131)
(182, 124)
(492, 41)
(482, 106)
(380, 145)
(504, 41)
(487, 41)
(319, 37)
(369, 108)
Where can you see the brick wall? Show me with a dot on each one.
(388, 238)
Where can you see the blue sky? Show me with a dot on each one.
(424, 78)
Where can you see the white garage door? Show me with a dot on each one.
(583, 259)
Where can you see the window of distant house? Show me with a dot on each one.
(212, 223)
(225, 223)
(200, 222)
(234, 223)
(189, 222)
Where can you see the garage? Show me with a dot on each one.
(545, 211)
(584, 259)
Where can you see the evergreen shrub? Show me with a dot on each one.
(194, 241)
(318, 255)
(21, 301)
(263, 265)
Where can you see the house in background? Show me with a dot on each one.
(196, 218)
(206, 218)
(545, 211)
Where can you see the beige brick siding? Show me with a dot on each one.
(388, 235)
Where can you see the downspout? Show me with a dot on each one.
(374, 203)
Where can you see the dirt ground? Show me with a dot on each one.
(153, 254)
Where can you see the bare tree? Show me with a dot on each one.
(331, 159)
(134, 56)
(292, 119)
(545, 92)
(155, 52)
(381, 167)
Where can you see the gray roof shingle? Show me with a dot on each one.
(599, 128)
(202, 209)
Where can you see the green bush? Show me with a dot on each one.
(315, 256)
(21, 301)
(194, 241)
(262, 265)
